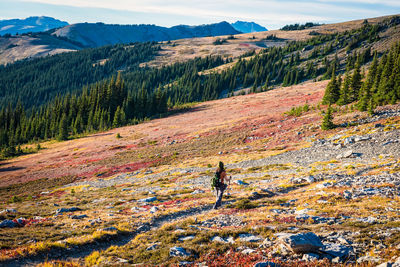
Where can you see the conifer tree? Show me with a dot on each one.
(332, 91)
(63, 128)
(356, 82)
(327, 121)
(344, 97)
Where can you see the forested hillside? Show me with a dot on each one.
(51, 103)
(35, 82)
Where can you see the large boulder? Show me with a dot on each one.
(301, 243)
(338, 250)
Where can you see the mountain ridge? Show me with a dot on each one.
(99, 34)
(30, 24)
(248, 27)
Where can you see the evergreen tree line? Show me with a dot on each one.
(379, 87)
(297, 26)
(37, 81)
(103, 106)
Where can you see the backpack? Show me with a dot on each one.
(215, 180)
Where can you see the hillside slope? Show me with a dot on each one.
(99, 34)
(140, 198)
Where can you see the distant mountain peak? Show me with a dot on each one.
(248, 27)
(30, 24)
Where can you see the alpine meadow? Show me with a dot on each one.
(222, 144)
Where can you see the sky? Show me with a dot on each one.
(273, 14)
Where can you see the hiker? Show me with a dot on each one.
(219, 185)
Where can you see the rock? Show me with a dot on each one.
(248, 251)
(240, 182)
(249, 238)
(303, 211)
(178, 252)
(337, 250)
(148, 200)
(184, 263)
(348, 140)
(309, 179)
(62, 210)
(266, 264)
(153, 209)
(8, 211)
(223, 240)
(369, 259)
(266, 243)
(347, 194)
(8, 224)
(348, 154)
(310, 257)
(152, 247)
(143, 228)
(198, 191)
(185, 238)
(301, 243)
(78, 217)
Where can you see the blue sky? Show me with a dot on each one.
(272, 14)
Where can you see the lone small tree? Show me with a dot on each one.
(327, 121)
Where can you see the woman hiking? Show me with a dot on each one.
(219, 185)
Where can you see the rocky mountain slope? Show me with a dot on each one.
(248, 27)
(99, 34)
(141, 195)
(299, 196)
(31, 24)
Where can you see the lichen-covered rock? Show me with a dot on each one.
(179, 252)
(301, 243)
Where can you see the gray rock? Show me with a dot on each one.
(148, 200)
(240, 182)
(310, 257)
(78, 217)
(369, 259)
(248, 251)
(185, 238)
(62, 210)
(348, 154)
(249, 238)
(198, 191)
(222, 240)
(301, 243)
(153, 209)
(179, 252)
(266, 264)
(338, 250)
(8, 211)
